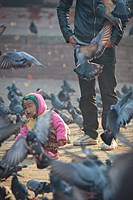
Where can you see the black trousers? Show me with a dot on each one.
(107, 84)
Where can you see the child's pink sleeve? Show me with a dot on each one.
(23, 132)
(59, 126)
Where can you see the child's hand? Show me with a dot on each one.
(62, 142)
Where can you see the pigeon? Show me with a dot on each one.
(30, 144)
(33, 28)
(2, 28)
(67, 119)
(39, 187)
(63, 96)
(56, 103)
(63, 190)
(4, 174)
(118, 116)
(78, 119)
(67, 87)
(84, 68)
(105, 9)
(44, 94)
(8, 128)
(98, 45)
(16, 106)
(16, 90)
(120, 178)
(18, 59)
(6, 193)
(19, 189)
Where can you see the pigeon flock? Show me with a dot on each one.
(84, 177)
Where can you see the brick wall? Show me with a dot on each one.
(58, 58)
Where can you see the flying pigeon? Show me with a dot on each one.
(18, 59)
(118, 116)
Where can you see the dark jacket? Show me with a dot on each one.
(87, 21)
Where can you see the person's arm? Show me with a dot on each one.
(122, 12)
(63, 9)
(60, 128)
(23, 132)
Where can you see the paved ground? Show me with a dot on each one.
(54, 86)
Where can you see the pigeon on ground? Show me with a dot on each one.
(67, 119)
(56, 103)
(63, 96)
(16, 106)
(18, 59)
(67, 87)
(39, 187)
(6, 193)
(44, 94)
(2, 28)
(77, 118)
(33, 28)
(16, 90)
(19, 189)
(118, 116)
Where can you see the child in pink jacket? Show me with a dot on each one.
(34, 107)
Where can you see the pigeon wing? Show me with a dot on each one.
(17, 153)
(42, 127)
(2, 28)
(31, 58)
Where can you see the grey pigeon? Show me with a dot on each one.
(39, 187)
(105, 9)
(119, 116)
(84, 68)
(16, 106)
(16, 90)
(19, 189)
(29, 144)
(98, 45)
(18, 59)
(64, 190)
(6, 193)
(67, 87)
(77, 118)
(56, 103)
(63, 96)
(33, 28)
(8, 128)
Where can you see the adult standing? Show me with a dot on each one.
(88, 21)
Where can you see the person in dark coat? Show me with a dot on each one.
(88, 22)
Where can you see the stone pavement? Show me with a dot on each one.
(49, 47)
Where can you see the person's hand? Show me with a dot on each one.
(72, 40)
(110, 44)
(61, 142)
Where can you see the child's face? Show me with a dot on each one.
(29, 108)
